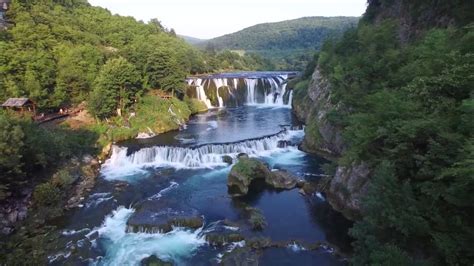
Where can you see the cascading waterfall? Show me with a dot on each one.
(206, 156)
(268, 89)
(200, 93)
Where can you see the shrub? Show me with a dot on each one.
(46, 194)
(62, 179)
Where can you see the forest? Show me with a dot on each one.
(405, 108)
(57, 52)
(62, 54)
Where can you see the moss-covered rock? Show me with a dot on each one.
(220, 239)
(256, 218)
(195, 106)
(243, 174)
(224, 94)
(248, 170)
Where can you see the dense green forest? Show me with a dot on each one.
(56, 53)
(287, 45)
(64, 54)
(406, 108)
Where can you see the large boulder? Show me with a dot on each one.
(244, 173)
(281, 179)
(248, 170)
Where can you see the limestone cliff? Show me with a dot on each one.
(413, 18)
(349, 184)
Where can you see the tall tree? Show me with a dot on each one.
(115, 88)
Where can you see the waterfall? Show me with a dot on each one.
(219, 84)
(200, 93)
(290, 99)
(266, 89)
(198, 157)
(251, 84)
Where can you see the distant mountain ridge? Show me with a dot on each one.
(192, 40)
(306, 32)
(286, 45)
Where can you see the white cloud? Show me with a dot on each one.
(211, 18)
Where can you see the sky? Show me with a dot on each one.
(206, 19)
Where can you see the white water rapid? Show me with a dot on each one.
(121, 163)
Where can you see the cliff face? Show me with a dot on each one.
(322, 136)
(349, 184)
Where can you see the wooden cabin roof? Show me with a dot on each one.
(17, 102)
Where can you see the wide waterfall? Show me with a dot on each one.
(237, 89)
(205, 156)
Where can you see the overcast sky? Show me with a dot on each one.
(212, 18)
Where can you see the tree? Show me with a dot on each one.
(77, 68)
(163, 71)
(115, 88)
(11, 144)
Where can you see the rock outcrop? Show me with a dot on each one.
(248, 172)
(321, 135)
(349, 184)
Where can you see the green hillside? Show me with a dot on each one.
(286, 43)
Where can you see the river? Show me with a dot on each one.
(183, 172)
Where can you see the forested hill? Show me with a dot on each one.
(191, 40)
(54, 50)
(302, 33)
(287, 43)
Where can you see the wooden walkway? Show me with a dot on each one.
(50, 118)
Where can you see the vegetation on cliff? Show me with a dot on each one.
(406, 108)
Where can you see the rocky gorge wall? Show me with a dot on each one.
(350, 183)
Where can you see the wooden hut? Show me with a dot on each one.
(21, 105)
(4, 6)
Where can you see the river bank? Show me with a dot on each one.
(25, 220)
